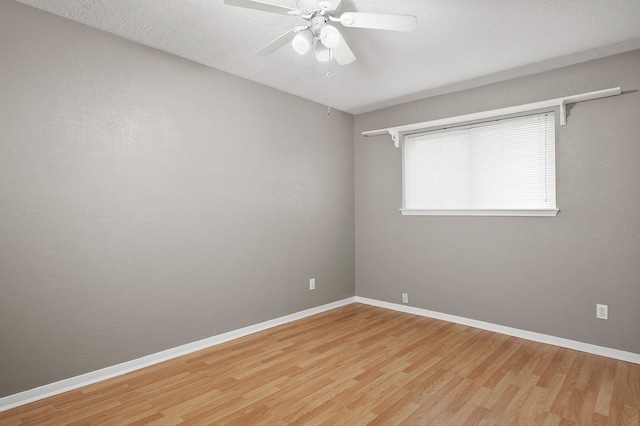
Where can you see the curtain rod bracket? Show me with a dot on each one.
(395, 136)
(563, 112)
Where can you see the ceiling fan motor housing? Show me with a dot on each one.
(317, 23)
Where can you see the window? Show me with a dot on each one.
(500, 167)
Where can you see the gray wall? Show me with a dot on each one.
(539, 274)
(147, 201)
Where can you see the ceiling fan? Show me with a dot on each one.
(319, 35)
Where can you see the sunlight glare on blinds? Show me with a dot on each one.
(503, 164)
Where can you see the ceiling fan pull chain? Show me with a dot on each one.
(330, 95)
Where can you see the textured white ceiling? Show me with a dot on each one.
(458, 43)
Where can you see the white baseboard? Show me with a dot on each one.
(510, 331)
(76, 382)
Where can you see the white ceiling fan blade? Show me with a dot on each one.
(264, 6)
(280, 41)
(341, 53)
(311, 5)
(330, 5)
(379, 22)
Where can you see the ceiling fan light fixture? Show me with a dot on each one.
(329, 36)
(302, 42)
(323, 53)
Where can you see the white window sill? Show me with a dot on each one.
(530, 212)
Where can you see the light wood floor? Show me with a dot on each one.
(360, 365)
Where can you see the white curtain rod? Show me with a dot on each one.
(560, 103)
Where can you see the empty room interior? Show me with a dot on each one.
(319, 212)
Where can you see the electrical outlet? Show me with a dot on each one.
(312, 284)
(602, 311)
(405, 298)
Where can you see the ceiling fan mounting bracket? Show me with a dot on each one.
(347, 19)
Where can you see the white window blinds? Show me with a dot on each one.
(502, 165)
